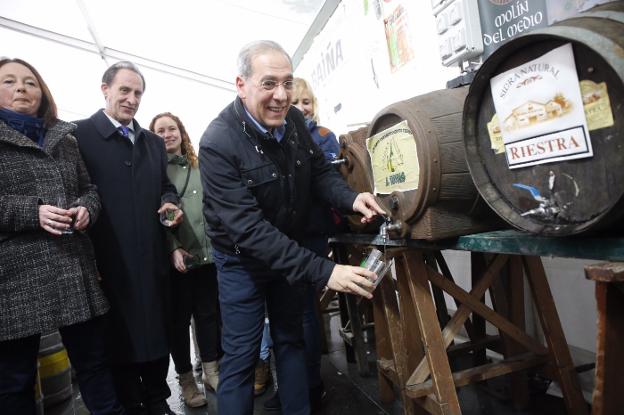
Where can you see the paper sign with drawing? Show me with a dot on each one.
(540, 110)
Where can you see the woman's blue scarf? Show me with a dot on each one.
(31, 127)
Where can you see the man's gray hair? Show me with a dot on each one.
(112, 70)
(253, 49)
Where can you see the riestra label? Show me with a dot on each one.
(568, 144)
(540, 110)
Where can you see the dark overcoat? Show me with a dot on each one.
(46, 281)
(129, 239)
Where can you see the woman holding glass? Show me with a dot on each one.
(194, 275)
(48, 277)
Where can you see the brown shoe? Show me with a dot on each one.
(211, 375)
(262, 377)
(191, 395)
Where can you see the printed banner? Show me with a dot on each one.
(540, 110)
(502, 20)
(394, 159)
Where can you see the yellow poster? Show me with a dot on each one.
(596, 104)
(394, 159)
(496, 138)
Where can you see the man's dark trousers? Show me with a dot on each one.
(244, 287)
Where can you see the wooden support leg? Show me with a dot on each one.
(348, 305)
(402, 337)
(515, 293)
(609, 391)
(478, 266)
(359, 348)
(438, 294)
(461, 315)
(345, 327)
(444, 269)
(435, 349)
(508, 300)
(608, 395)
(411, 333)
(557, 345)
(386, 322)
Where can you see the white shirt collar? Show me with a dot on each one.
(118, 124)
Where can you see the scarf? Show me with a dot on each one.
(31, 127)
(179, 160)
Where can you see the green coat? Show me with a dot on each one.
(190, 235)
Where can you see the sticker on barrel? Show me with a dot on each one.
(540, 109)
(394, 159)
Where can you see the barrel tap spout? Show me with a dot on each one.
(548, 208)
(388, 226)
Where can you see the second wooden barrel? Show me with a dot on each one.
(356, 170)
(569, 196)
(440, 199)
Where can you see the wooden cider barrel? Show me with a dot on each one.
(441, 200)
(356, 170)
(582, 194)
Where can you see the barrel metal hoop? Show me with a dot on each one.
(610, 51)
(604, 14)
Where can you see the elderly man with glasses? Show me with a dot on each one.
(259, 167)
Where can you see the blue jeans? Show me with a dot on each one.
(86, 350)
(267, 342)
(245, 286)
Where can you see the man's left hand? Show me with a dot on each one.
(366, 204)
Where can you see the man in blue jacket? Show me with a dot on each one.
(259, 168)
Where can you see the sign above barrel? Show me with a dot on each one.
(543, 143)
(469, 30)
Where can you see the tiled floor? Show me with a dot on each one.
(349, 393)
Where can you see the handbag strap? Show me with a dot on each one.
(188, 176)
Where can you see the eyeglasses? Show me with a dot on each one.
(270, 84)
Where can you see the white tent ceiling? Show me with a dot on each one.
(186, 49)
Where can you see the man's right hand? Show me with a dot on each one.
(352, 280)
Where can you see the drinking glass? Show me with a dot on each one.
(61, 202)
(373, 262)
(167, 217)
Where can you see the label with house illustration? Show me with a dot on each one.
(540, 109)
(394, 159)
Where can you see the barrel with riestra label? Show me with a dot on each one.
(543, 126)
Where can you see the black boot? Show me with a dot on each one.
(317, 397)
(273, 403)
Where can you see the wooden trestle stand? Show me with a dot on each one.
(415, 335)
(608, 395)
